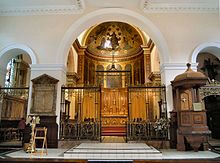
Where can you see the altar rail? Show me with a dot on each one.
(157, 130)
(84, 130)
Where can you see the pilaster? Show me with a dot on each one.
(57, 71)
(147, 63)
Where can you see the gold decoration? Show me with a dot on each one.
(33, 121)
(120, 37)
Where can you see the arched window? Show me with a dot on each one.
(17, 72)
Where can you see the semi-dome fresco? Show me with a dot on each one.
(120, 38)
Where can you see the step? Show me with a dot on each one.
(113, 151)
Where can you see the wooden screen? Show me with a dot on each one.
(114, 111)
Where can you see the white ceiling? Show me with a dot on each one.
(42, 7)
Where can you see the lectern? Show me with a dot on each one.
(190, 112)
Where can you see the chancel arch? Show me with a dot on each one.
(110, 14)
(114, 86)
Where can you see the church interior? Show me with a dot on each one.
(99, 81)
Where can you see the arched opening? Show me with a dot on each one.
(209, 63)
(117, 84)
(14, 91)
(18, 71)
(113, 14)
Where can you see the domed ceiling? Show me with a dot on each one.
(120, 39)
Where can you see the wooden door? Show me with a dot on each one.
(114, 111)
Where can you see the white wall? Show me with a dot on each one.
(42, 33)
(184, 32)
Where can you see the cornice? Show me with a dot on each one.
(77, 8)
(109, 58)
(48, 67)
(176, 66)
(180, 6)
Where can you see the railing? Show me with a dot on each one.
(84, 130)
(78, 127)
(135, 131)
(15, 92)
(147, 131)
(9, 134)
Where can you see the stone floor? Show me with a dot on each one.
(59, 153)
(134, 150)
(112, 151)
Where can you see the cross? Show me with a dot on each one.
(183, 99)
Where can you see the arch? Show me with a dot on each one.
(14, 49)
(112, 14)
(203, 46)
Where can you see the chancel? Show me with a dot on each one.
(110, 80)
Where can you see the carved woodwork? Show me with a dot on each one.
(148, 102)
(191, 123)
(13, 108)
(210, 94)
(72, 78)
(138, 105)
(114, 110)
(44, 95)
(212, 88)
(89, 105)
(13, 103)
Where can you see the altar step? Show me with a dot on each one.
(113, 131)
(113, 152)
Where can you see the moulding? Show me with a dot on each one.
(177, 66)
(48, 67)
(180, 6)
(77, 8)
(202, 46)
(111, 14)
(25, 48)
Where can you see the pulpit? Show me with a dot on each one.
(190, 112)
